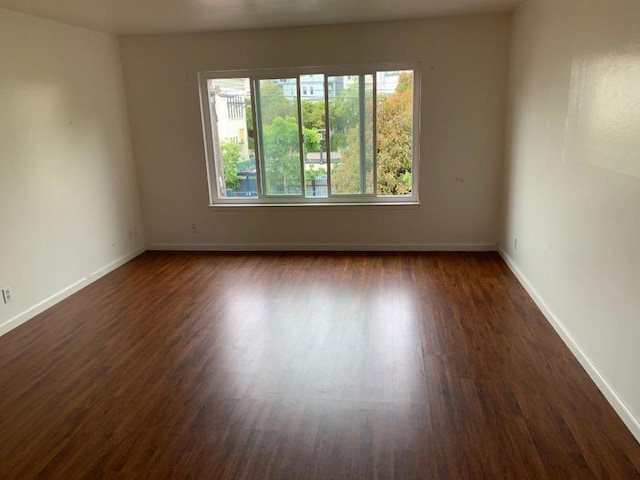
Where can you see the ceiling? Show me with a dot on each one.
(163, 16)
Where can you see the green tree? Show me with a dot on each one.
(282, 157)
(273, 103)
(338, 141)
(282, 153)
(344, 112)
(230, 159)
(394, 146)
(311, 140)
(280, 137)
(395, 138)
(315, 172)
(345, 175)
(313, 115)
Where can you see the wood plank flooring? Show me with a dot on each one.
(303, 366)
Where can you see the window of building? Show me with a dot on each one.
(356, 144)
(235, 107)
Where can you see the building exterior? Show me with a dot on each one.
(312, 86)
(227, 100)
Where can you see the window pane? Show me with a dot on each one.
(394, 132)
(320, 137)
(280, 140)
(232, 133)
(351, 134)
(313, 123)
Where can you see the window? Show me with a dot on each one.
(235, 107)
(354, 142)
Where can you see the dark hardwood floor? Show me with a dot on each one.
(300, 366)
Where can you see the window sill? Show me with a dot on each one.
(314, 205)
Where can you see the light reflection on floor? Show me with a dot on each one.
(323, 342)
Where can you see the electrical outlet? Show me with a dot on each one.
(515, 243)
(6, 294)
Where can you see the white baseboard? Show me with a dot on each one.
(66, 292)
(607, 390)
(328, 247)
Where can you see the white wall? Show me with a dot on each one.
(572, 194)
(463, 65)
(68, 190)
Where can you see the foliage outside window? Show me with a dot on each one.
(311, 135)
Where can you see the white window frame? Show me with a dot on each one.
(255, 75)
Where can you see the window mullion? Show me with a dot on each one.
(362, 112)
(217, 155)
(374, 120)
(303, 187)
(326, 133)
(257, 134)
